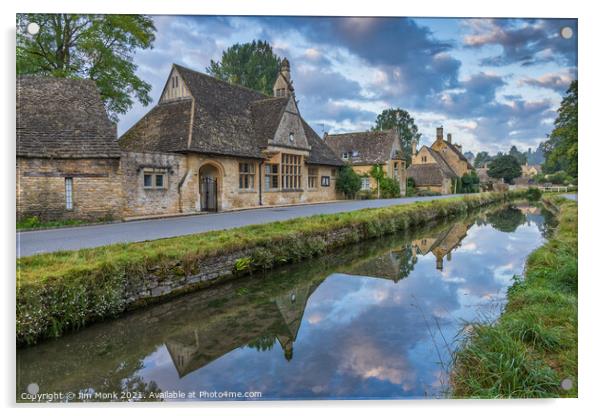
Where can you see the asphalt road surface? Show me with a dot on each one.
(44, 241)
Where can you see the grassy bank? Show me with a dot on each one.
(62, 291)
(532, 348)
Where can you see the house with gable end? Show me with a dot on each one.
(209, 145)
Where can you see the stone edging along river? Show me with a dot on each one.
(73, 298)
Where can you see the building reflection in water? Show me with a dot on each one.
(279, 319)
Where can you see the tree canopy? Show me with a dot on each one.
(253, 65)
(89, 46)
(481, 158)
(520, 157)
(560, 149)
(400, 120)
(348, 182)
(505, 167)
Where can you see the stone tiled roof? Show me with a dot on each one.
(460, 155)
(428, 174)
(226, 120)
(370, 147)
(445, 167)
(320, 153)
(62, 118)
(164, 129)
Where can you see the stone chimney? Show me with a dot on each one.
(325, 135)
(440, 133)
(414, 144)
(449, 138)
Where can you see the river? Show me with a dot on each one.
(379, 319)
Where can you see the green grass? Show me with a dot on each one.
(533, 346)
(61, 291)
(34, 223)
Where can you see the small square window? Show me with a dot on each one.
(159, 181)
(325, 181)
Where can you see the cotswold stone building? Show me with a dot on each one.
(362, 150)
(206, 146)
(209, 145)
(439, 167)
(67, 154)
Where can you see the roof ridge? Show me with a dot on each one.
(220, 80)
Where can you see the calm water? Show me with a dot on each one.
(375, 320)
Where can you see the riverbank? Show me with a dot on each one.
(63, 291)
(531, 351)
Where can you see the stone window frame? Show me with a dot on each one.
(325, 181)
(246, 176)
(365, 183)
(154, 174)
(312, 177)
(423, 159)
(290, 172)
(69, 193)
(272, 176)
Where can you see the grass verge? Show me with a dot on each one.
(532, 348)
(62, 291)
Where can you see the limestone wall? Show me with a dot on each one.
(96, 188)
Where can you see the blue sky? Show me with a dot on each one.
(492, 83)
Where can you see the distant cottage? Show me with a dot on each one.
(439, 167)
(206, 146)
(362, 150)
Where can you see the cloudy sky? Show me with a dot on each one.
(491, 83)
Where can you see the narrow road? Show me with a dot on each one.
(45, 241)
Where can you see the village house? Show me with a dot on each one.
(68, 159)
(210, 146)
(441, 244)
(439, 167)
(529, 171)
(206, 146)
(362, 150)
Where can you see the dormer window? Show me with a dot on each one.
(345, 156)
(355, 153)
(291, 137)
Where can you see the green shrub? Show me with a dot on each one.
(389, 188)
(348, 182)
(533, 194)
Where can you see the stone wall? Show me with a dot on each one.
(41, 190)
(140, 201)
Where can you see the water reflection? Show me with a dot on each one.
(375, 320)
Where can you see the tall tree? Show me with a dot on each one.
(253, 65)
(505, 167)
(90, 46)
(560, 149)
(518, 155)
(481, 158)
(400, 120)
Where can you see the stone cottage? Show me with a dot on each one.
(362, 150)
(67, 152)
(439, 167)
(209, 146)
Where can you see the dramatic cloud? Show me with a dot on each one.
(525, 42)
(491, 82)
(558, 82)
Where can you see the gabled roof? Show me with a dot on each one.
(226, 119)
(321, 153)
(371, 147)
(62, 118)
(460, 155)
(445, 167)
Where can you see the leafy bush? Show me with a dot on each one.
(469, 183)
(389, 188)
(348, 182)
(410, 187)
(534, 194)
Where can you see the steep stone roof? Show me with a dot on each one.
(62, 118)
(320, 153)
(428, 174)
(445, 167)
(226, 119)
(370, 147)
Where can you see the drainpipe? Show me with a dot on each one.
(260, 181)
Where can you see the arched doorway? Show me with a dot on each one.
(209, 183)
